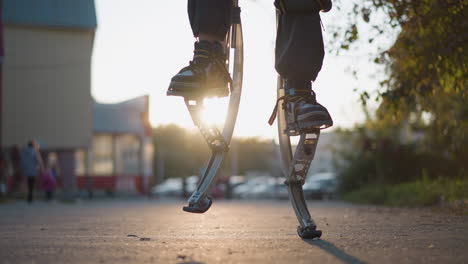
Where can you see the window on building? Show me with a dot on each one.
(128, 154)
(80, 162)
(148, 156)
(102, 162)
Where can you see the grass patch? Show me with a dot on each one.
(414, 194)
(68, 200)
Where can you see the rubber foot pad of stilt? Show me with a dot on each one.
(197, 209)
(308, 233)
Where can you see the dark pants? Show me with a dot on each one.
(299, 44)
(31, 182)
(49, 195)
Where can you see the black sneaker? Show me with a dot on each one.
(206, 75)
(302, 110)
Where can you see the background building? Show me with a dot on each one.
(47, 72)
(46, 84)
(121, 154)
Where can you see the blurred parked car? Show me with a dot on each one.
(243, 190)
(261, 187)
(236, 180)
(320, 186)
(173, 187)
(271, 190)
(170, 187)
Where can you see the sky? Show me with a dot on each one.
(140, 44)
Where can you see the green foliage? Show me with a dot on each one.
(183, 153)
(420, 128)
(423, 192)
(381, 154)
(253, 154)
(428, 74)
(371, 194)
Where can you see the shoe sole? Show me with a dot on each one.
(306, 126)
(201, 92)
(314, 120)
(322, 124)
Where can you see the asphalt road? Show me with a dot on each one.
(152, 231)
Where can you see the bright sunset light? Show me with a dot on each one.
(140, 46)
(215, 111)
(99, 165)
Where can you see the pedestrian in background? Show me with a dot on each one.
(48, 182)
(53, 165)
(15, 159)
(31, 165)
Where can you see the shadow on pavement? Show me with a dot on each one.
(333, 250)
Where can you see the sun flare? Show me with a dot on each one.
(214, 111)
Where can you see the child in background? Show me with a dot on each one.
(48, 183)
